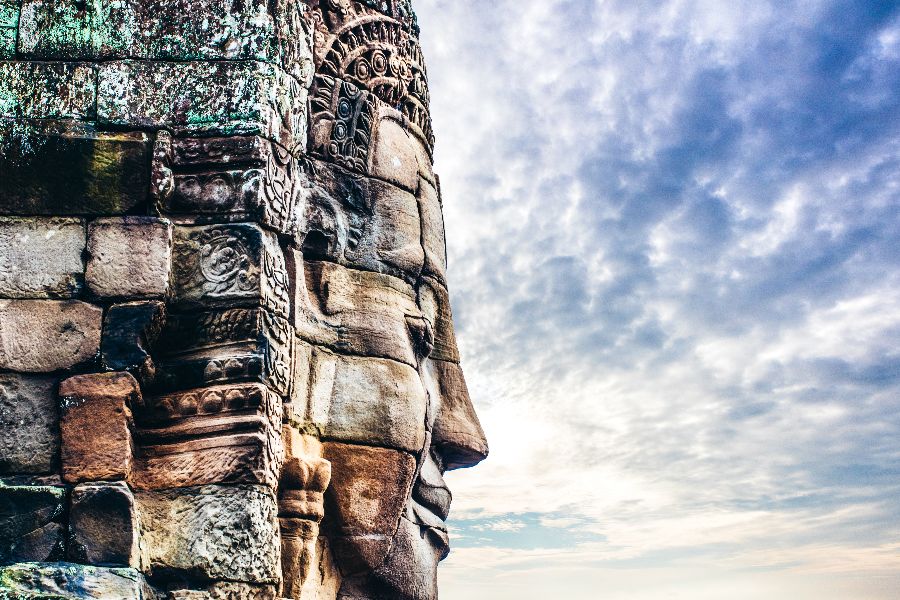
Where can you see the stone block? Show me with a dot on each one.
(95, 424)
(129, 257)
(42, 90)
(369, 487)
(129, 333)
(167, 30)
(224, 266)
(30, 424)
(227, 590)
(67, 168)
(433, 238)
(218, 97)
(103, 525)
(221, 434)
(457, 432)
(369, 401)
(212, 347)
(64, 581)
(238, 178)
(9, 22)
(434, 301)
(214, 532)
(31, 523)
(48, 335)
(7, 43)
(394, 153)
(359, 312)
(41, 257)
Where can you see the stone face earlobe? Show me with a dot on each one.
(304, 479)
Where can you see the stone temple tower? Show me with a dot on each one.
(227, 361)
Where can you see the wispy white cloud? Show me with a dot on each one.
(672, 230)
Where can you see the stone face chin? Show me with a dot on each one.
(228, 368)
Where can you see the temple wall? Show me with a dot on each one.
(222, 269)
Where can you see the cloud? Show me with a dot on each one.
(672, 231)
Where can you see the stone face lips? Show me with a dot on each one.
(47, 335)
(217, 532)
(95, 424)
(29, 422)
(41, 258)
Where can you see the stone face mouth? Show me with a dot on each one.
(435, 499)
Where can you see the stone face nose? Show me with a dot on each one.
(458, 437)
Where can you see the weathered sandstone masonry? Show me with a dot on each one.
(227, 361)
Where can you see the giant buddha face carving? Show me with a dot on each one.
(384, 387)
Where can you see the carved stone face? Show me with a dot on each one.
(385, 387)
(398, 414)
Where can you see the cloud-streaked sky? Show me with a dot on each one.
(674, 241)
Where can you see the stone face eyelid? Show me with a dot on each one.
(228, 367)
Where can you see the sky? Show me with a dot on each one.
(674, 239)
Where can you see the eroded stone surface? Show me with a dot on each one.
(9, 21)
(56, 581)
(218, 532)
(48, 335)
(103, 525)
(41, 257)
(229, 265)
(30, 424)
(95, 423)
(129, 257)
(44, 90)
(59, 167)
(165, 29)
(226, 591)
(228, 98)
(32, 526)
(219, 434)
(367, 401)
(237, 344)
